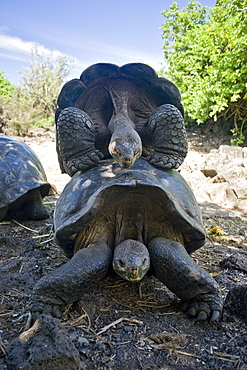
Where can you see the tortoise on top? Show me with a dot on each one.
(23, 182)
(123, 112)
(132, 220)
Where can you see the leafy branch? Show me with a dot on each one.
(206, 52)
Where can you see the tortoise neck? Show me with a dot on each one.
(120, 120)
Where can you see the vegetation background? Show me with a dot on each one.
(205, 55)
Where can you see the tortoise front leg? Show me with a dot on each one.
(173, 266)
(68, 283)
(3, 213)
(75, 141)
(33, 208)
(169, 139)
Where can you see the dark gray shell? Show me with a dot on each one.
(88, 92)
(20, 171)
(87, 194)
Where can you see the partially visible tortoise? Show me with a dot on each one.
(23, 182)
(123, 112)
(134, 220)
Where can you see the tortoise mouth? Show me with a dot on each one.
(124, 161)
(130, 276)
(127, 164)
(132, 280)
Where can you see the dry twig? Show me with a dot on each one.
(121, 319)
(226, 356)
(79, 320)
(2, 347)
(24, 227)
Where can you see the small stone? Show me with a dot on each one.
(83, 341)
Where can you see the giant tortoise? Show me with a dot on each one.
(134, 220)
(23, 182)
(123, 112)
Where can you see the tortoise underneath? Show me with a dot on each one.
(134, 220)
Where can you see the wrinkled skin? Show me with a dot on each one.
(131, 260)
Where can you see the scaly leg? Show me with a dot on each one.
(166, 127)
(75, 141)
(173, 266)
(68, 283)
(34, 209)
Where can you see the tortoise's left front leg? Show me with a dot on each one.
(198, 291)
(68, 283)
(169, 139)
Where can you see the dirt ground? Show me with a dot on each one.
(122, 325)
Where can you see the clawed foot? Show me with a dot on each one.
(83, 162)
(165, 161)
(206, 307)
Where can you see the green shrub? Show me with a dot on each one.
(206, 51)
(33, 103)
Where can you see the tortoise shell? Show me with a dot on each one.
(90, 92)
(20, 170)
(87, 194)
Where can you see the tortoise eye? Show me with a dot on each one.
(121, 263)
(144, 262)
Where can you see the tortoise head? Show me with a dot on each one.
(125, 147)
(131, 260)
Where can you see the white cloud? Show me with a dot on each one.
(16, 46)
(87, 51)
(118, 54)
(90, 50)
(13, 57)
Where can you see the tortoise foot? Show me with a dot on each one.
(35, 212)
(83, 162)
(169, 139)
(203, 307)
(76, 141)
(165, 161)
(34, 209)
(37, 308)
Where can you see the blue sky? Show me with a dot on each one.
(90, 31)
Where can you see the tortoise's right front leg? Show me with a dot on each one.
(75, 141)
(68, 283)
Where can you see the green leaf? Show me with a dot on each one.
(206, 51)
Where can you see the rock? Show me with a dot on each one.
(236, 302)
(46, 345)
(237, 261)
(229, 152)
(223, 178)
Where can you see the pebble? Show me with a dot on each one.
(83, 341)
